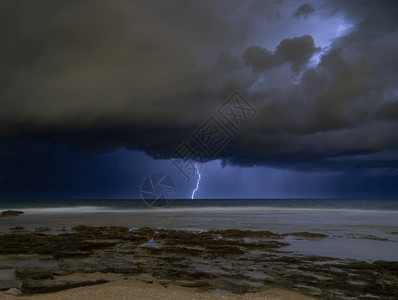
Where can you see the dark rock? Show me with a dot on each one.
(231, 260)
(187, 283)
(310, 235)
(235, 233)
(288, 260)
(68, 254)
(36, 273)
(49, 286)
(17, 228)
(266, 245)
(7, 279)
(223, 250)
(42, 229)
(11, 213)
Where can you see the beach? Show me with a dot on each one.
(122, 288)
(204, 252)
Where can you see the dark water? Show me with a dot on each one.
(112, 204)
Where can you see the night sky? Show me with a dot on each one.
(96, 95)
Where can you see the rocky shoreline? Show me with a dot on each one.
(230, 261)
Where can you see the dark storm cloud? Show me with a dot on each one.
(260, 59)
(297, 51)
(143, 75)
(388, 110)
(80, 64)
(304, 10)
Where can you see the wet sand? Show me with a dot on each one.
(121, 288)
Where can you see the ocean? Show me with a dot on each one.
(362, 229)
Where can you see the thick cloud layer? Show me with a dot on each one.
(297, 51)
(108, 74)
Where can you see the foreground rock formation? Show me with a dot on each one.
(228, 260)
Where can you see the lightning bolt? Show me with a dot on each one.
(197, 183)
